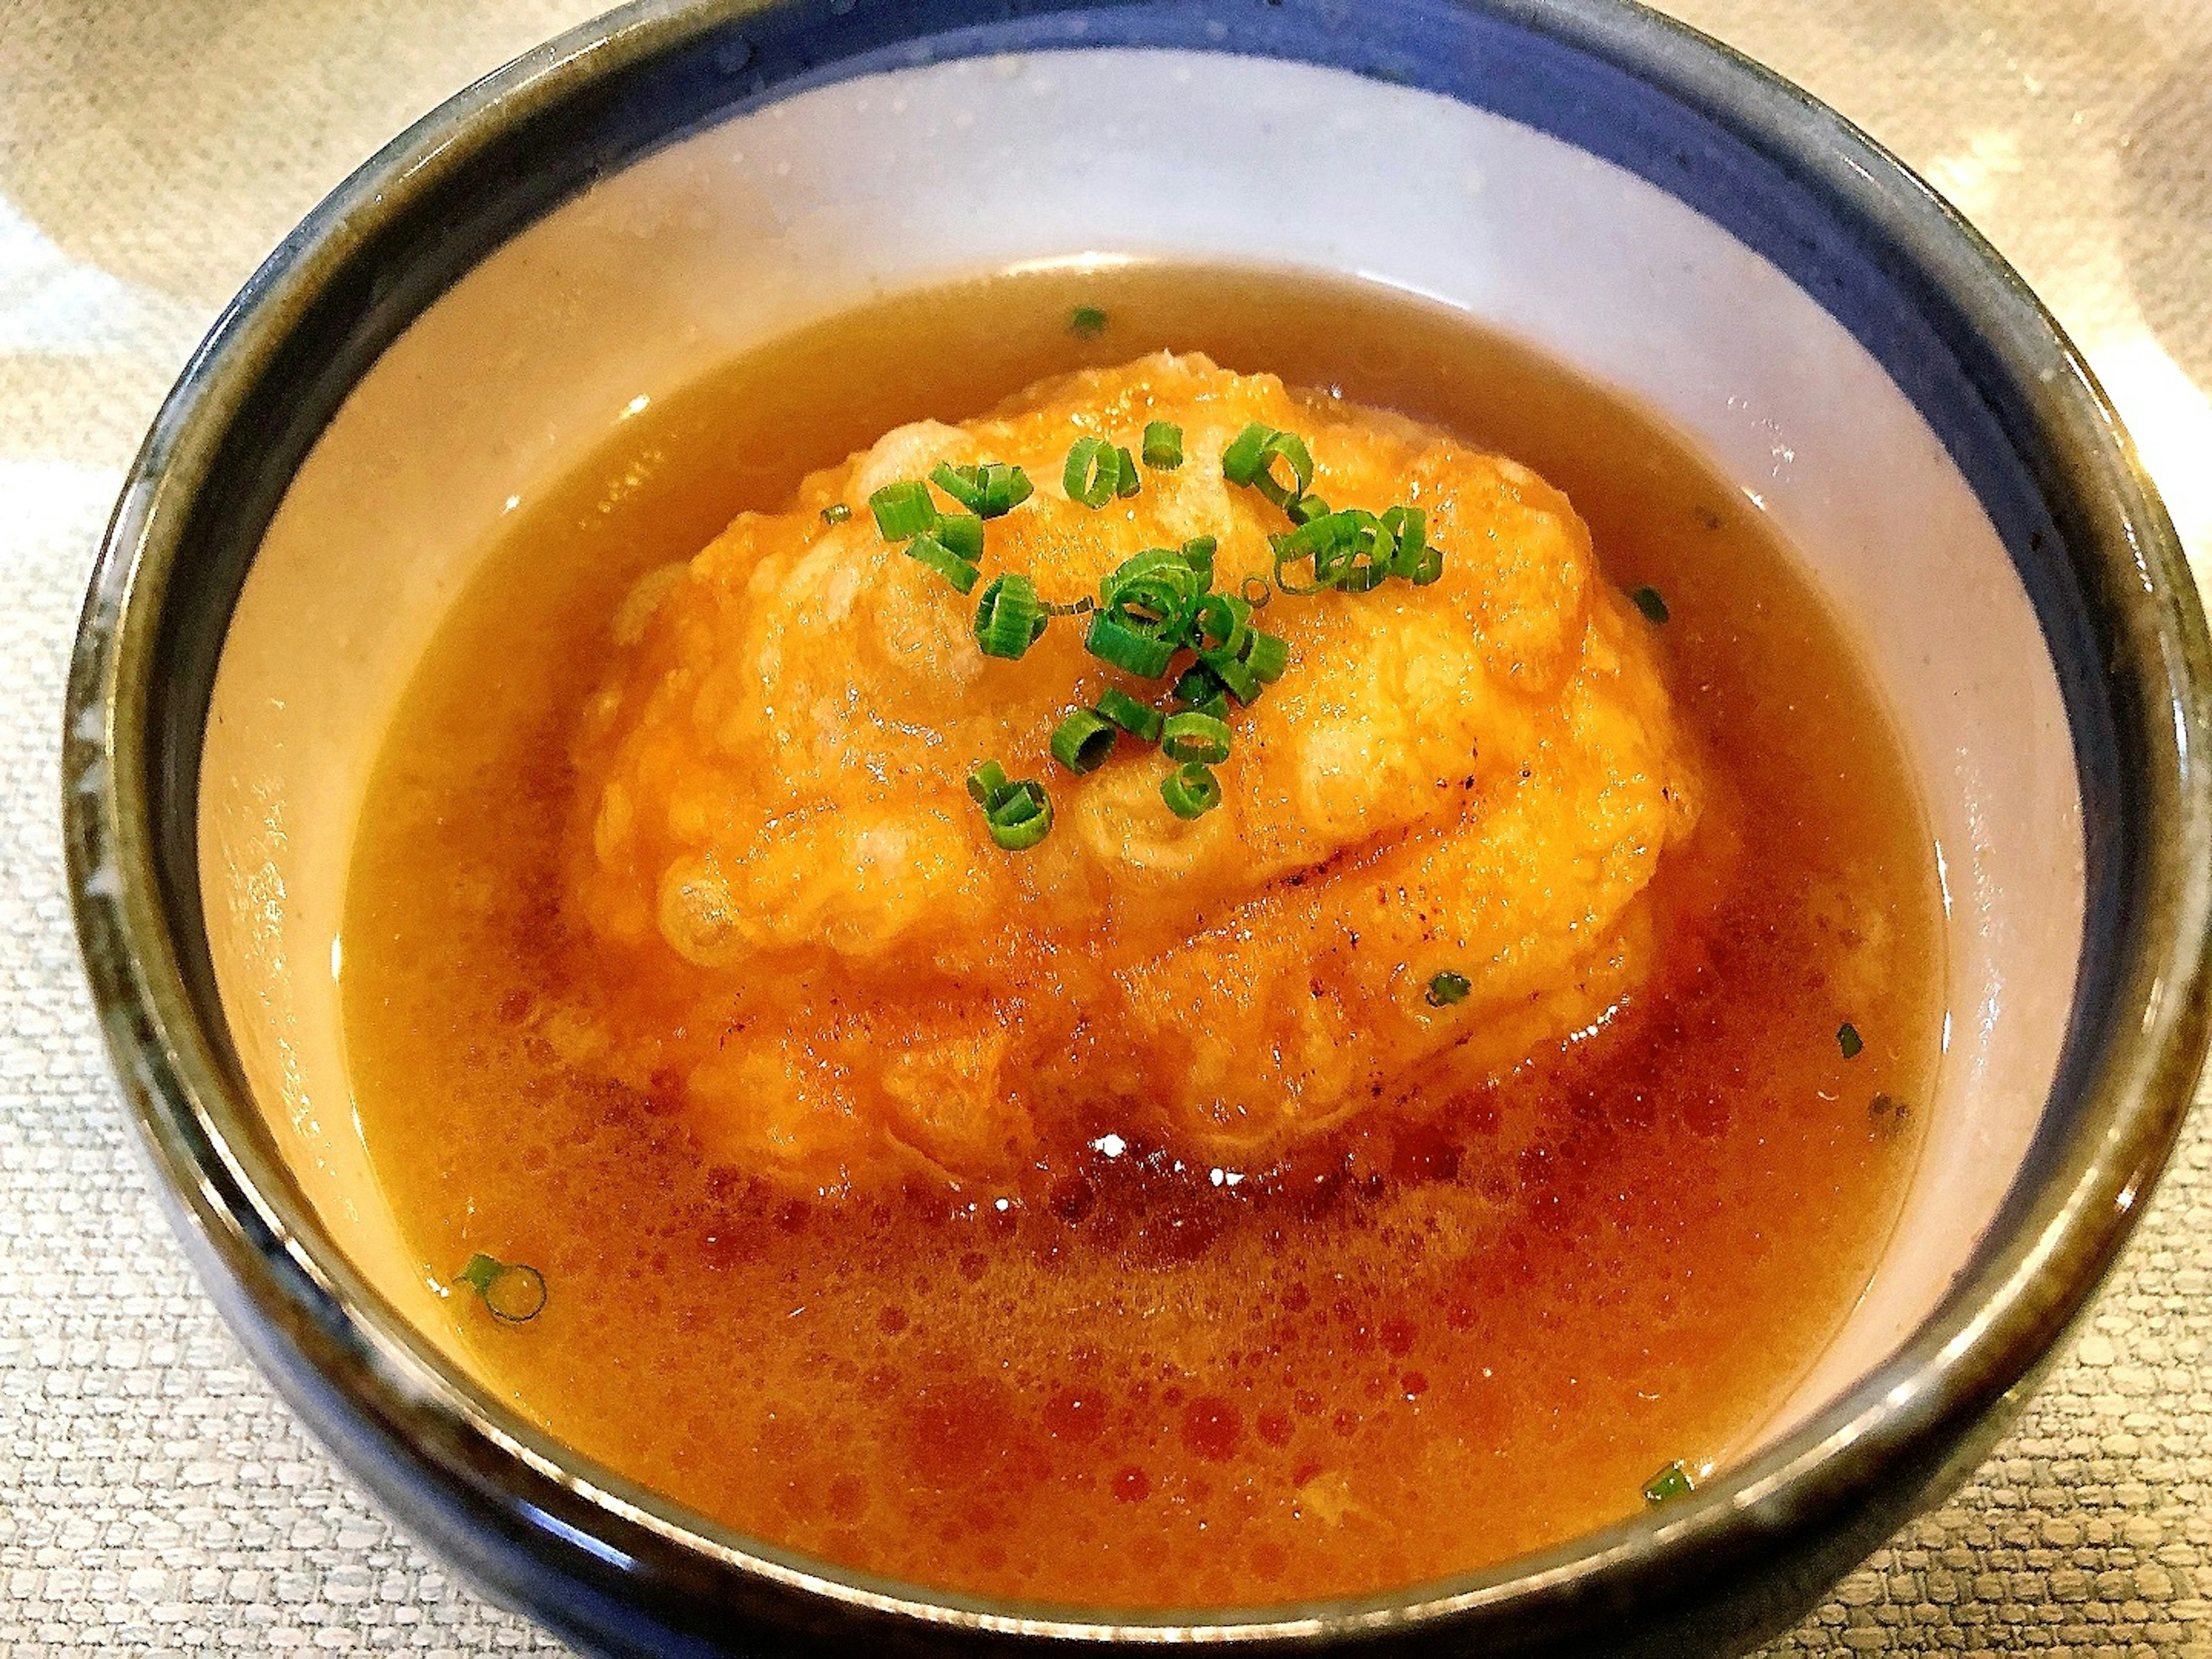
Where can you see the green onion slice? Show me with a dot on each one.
(903, 509)
(1197, 686)
(513, 1291)
(1191, 791)
(989, 491)
(1257, 591)
(1139, 720)
(1192, 736)
(1125, 467)
(1009, 618)
(1411, 556)
(1112, 641)
(1232, 672)
(1092, 473)
(962, 534)
(1082, 741)
(1649, 603)
(1267, 656)
(1018, 815)
(1223, 622)
(1086, 322)
(835, 513)
(987, 782)
(944, 561)
(1198, 553)
(1447, 988)
(1250, 458)
(1848, 1040)
(1306, 508)
(1163, 446)
(1671, 1482)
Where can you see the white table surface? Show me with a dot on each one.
(155, 1497)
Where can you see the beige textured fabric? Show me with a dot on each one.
(154, 1495)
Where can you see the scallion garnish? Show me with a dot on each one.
(1198, 553)
(962, 534)
(1649, 603)
(1125, 472)
(1009, 618)
(1018, 814)
(1082, 741)
(1267, 656)
(1222, 622)
(1232, 672)
(1671, 1482)
(1141, 720)
(1198, 687)
(944, 561)
(835, 513)
(1250, 458)
(1086, 322)
(1847, 1039)
(1193, 736)
(513, 1291)
(1115, 642)
(1447, 988)
(903, 509)
(1092, 473)
(989, 491)
(1306, 508)
(1411, 556)
(1191, 791)
(1163, 446)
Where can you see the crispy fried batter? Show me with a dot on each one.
(804, 933)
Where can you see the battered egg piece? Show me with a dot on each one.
(794, 928)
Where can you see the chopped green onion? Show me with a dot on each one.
(987, 782)
(1222, 623)
(1249, 461)
(835, 513)
(1141, 720)
(1003, 487)
(1671, 1482)
(1649, 602)
(1092, 473)
(1115, 642)
(1191, 791)
(1847, 1039)
(1412, 557)
(962, 534)
(1082, 741)
(1250, 458)
(1232, 672)
(1448, 987)
(961, 482)
(1326, 542)
(944, 561)
(1163, 446)
(1267, 656)
(1009, 618)
(1306, 508)
(903, 509)
(1200, 687)
(514, 1292)
(1018, 815)
(1195, 737)
(1257, 591)
(1367, 550)
(1081, 604)
(1086, 322)
(1198, 553)
(1126, 465)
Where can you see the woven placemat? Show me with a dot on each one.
(155, 1497)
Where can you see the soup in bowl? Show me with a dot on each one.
(1139, 914)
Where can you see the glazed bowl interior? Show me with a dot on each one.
(769, 220)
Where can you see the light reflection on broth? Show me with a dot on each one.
(1415, 1344)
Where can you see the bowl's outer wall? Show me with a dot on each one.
(1986, 365)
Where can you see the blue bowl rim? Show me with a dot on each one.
(371, 1388)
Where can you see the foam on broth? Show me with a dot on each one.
(1407, 1352)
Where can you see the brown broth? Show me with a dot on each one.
(1410, 1351)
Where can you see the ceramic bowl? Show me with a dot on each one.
(594, 225)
